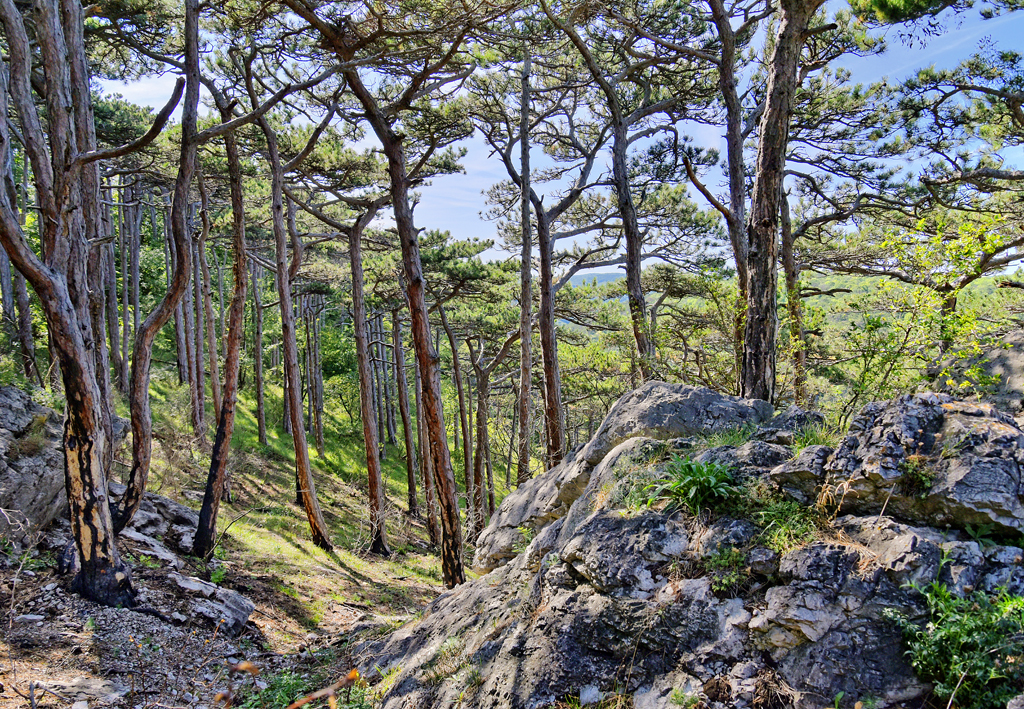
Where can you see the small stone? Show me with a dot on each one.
(49, 587)
(80, 705)
(30, 618)
(27, 572)
(591, 694)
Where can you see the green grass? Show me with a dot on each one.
(728, 437)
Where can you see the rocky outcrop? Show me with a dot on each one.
(654, 411)
(610, 596)
(929, 459)
(31, 465)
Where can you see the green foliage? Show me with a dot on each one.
(917, 477)
(693, 485)
(687, 700)
(970, 648)
(727, 569)
(818, 435)
(217, 574)
(526, 535)
(785, 524)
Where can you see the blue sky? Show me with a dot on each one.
(455, 202)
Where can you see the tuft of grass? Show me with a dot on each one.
(818, 435)
(693, 485)
(728, 437)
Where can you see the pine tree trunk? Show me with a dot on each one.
(403, 407)
(303, 470)
(257, 356)
(759, 338)
(378, 531)
(124, 246)
(554, 416)
(211, 330)
(425, 461)
(206, 533)
(525, 287)
(433, 409)
(199, 336)
(460, 389)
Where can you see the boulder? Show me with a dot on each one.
(801, 478)
(656, 411)
(597, 595)
(663, 411)
(222, 607)
(929, 459)
(31, 466)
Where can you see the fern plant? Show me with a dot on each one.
(693, 485)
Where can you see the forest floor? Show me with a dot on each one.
(307, 601)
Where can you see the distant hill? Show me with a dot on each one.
(581, 278)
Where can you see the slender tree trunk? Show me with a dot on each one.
(433, 409)
(199, 335)
(425, 460)
(466, 454)
(511, 443)
(378, 532)
(124, 242)
(794, 307)
(206, 533)
(762, 227)
(525, 278)
(291, 356)
(257, 355)
(483, 391)
(554, 416)
(403, 407)
(211, 330)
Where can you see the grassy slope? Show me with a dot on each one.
(266, 549)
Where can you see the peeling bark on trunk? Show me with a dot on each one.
(759, 339)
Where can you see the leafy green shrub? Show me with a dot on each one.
(971, 648)
(693, 485)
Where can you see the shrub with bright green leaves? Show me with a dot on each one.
(971, 648)
(693, 485)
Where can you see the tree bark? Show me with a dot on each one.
(425, 460)
(759, 338)
(403, 408)
(257, 356)
(466, 445)
(211, 329)
(525, 278)
(378, 531)
(303, 470)
(206, 533)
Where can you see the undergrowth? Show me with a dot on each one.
(693, 485)
(971, 648)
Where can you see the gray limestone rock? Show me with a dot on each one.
(937, 461)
